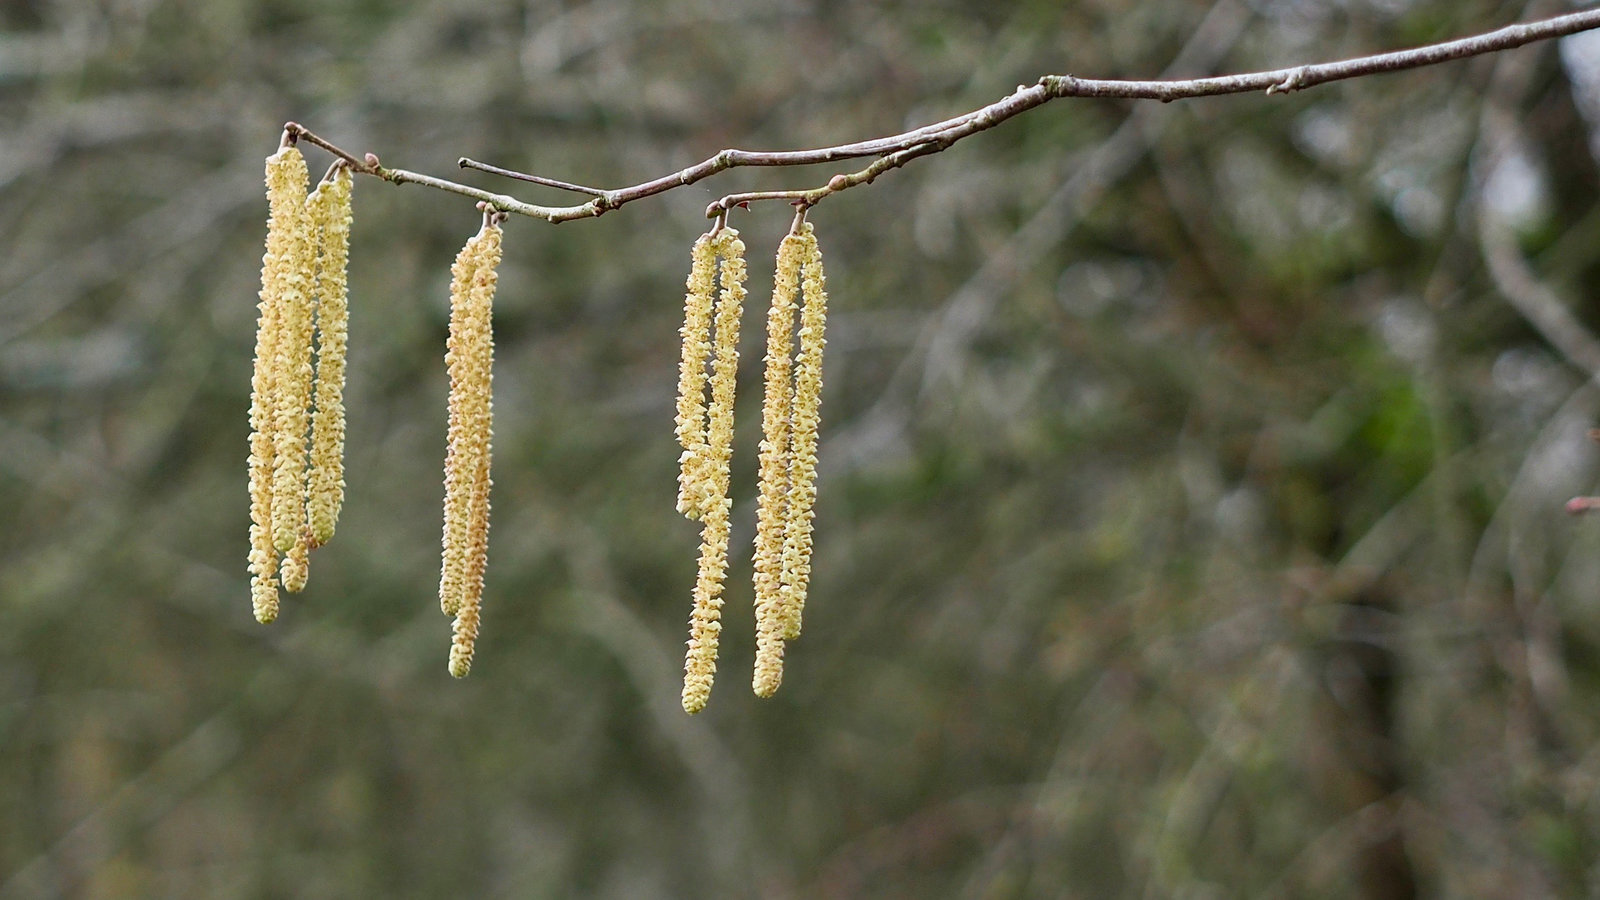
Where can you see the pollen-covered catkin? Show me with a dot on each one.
(805, 418)
(458, 474)
(292, 371)
(699, 295)
(470, 358)
(286, 184)
(325, 482)
(772, 501)
(705, 626)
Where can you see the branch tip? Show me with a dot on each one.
(1580, 505)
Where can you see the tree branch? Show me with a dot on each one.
(896, 150)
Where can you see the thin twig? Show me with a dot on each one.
(896, 150)
(468, 163)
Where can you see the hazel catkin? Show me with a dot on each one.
(469, 358)
(281, 276)
(805, 418)
(712, 475)
(772, 501)
(292, 373)
(330, 206)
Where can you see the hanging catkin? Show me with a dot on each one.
(281, 276)
(292, 391)
(772, 503)
(330, 205)
(469, 358)
(805, 417)
(710, 476)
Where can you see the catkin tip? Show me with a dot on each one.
(296, 567)
(264, 599)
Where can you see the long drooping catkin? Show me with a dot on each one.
(772, 504)
(286, 185)
(458, 475)
(330, 206)
(804, 418)
(699, 294)
(292, 367)
(470, 359)
(705, 626)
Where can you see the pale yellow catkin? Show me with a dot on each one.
(699, 295)
(772, 501)
(286, 178)
(705, 626)
(292, 375)
(325, 481)
(805, 418)
(458, 473)
(471, 361)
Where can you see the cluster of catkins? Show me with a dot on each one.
(295, 493)
(297, 455)
(297, 417)
(788, 463)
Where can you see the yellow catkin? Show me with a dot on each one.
(471, 359)
(325, 483)
(705, 626)
(458, 476)
(771, 517)
(699, 294)
(286, 180)
(292, 372)
(804, 420)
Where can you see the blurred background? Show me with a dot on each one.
(1192, 475)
